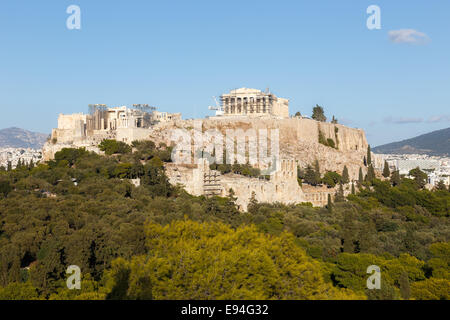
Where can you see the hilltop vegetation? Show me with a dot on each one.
(156, 241)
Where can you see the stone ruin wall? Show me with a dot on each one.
(200, 180)
(298, 142)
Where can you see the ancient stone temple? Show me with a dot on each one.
(253, 102)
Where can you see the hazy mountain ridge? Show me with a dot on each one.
(20, 138)
(436, 143)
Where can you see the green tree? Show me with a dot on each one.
(253, 203)
(334, 120)
(310, 176)
(431, 289)
(441, 186)
(345, 175)
(329, 204)
(360, 178)
(114, 147)
(70, 155)
(370, 174)
(395, 178)
(318, 114)
(5, 188)
(339, 197)
(369, 155)
(440, 260)
(420, 177)
(386, 171)
(332, 178)
(317, 171)
(405, 289)
(19, 291)
(211, 261)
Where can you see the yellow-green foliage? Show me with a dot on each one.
(90, 290)
(440, 261)
(190, 260)
(351, 271)
(19, 291)
(431, 289)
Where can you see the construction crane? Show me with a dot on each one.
(218, 108)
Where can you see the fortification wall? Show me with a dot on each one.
(298, 139)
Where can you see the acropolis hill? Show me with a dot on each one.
(240, 109)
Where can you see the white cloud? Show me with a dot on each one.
(441, 118)
(408, 36)
(402, 120)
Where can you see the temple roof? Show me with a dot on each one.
(245, 91)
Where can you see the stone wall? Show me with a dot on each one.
(198, 180)
(299, 139)
(298, 142)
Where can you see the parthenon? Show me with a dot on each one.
(254, 102)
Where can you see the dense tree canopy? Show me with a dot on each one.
(156, 241)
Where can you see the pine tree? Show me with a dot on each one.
(345, 175)
(310, 176)
(253, 203)
(395, 178)
(339, 197)
(441, 186)
(9, 166)
(360, 177)
(405, 289)
(370, 174)
(329, 204)
(347, 234)
(231, 195)
(386, 171)
(369, 156)
(318, 114)
(353, 188)
(317, 171)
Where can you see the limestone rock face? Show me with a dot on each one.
(297, 138)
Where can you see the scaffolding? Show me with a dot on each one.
(211, 183)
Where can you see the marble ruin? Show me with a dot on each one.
(253, 103)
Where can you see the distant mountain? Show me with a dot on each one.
(20, 138)
(436, 143)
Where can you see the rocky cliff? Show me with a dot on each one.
(298, 139)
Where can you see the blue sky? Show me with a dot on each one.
(178, 54)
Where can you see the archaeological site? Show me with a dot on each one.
(257, 119)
